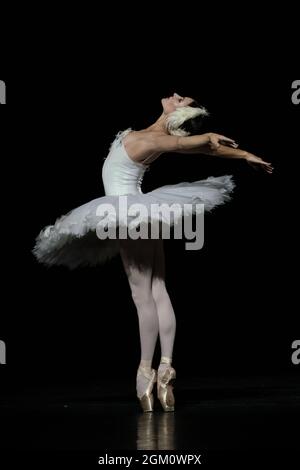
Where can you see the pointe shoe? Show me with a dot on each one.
(146, 397)
(165, 380)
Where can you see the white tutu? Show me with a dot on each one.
(74, 241)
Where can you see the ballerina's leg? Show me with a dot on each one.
(165, 311)
(138, 258)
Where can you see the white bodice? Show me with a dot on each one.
(120, 174)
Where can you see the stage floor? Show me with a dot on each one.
(212, 415)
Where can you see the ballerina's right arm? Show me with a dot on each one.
(209, 144)
(190, 144)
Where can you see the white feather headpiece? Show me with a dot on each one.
(180, 115)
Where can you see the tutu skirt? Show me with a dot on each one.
(73, 240)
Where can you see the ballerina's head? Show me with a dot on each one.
(184, 116)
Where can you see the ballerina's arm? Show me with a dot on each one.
(190, 144)
(229, 152)
(210, 144)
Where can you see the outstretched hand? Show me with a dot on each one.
(215, 140)
(259, 163)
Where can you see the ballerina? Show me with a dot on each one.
(73, 240)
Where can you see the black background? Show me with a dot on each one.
(235, 299)
(232, 299)
(74, 79)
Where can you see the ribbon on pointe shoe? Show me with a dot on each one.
(165, 376)
(166, 373)
(150, 376)
(166, 360)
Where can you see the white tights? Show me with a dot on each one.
(144, 263)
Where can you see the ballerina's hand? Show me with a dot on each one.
(257, 163)
(215, 140)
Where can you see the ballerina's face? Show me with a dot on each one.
(175, 101)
